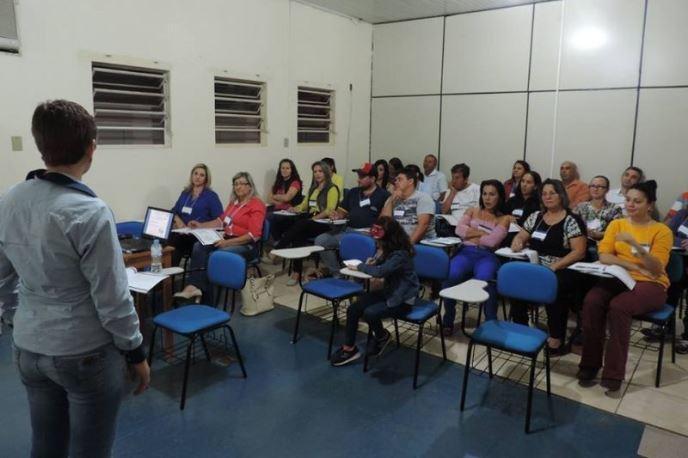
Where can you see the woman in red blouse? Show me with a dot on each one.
(242, 222)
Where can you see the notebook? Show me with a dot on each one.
(156, 225)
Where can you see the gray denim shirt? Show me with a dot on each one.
(60, 247)
(401, 280)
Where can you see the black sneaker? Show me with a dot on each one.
(682, 347)
(342, 357)
(378, 344)
(653, 333)
(586, 377)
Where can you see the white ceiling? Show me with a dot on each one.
(376, 11)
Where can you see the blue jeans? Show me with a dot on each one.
(472, 262)
(73, 401)
(330, 241)
(199, 260)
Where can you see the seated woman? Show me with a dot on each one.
(524, 202)
(383, 180)
(285, 193)
(642, 246)
(598, 212)
(337, 179)
(511, 185)
(197, 202)
(393, 263)
(243, 226)
(559, 238)
(482, 230)
(395, 166)
(323, 198)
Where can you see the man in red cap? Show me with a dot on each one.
(361, 206)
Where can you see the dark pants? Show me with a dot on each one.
(372, 307)
(674, 297)
(557, 312)
(201, 254)
(183, 246)
(73, 401)
(279, 224)
(298, 234)
(610, 302)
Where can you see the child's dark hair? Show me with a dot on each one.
(649, 188)
(395, 237)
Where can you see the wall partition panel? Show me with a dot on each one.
(405, 127)
(484, 131)
(662, 141)
(541, 110)
(665, 59)
(487, 51)
(545, 53)
(408, 57)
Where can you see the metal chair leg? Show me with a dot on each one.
(658, 376)
(186, 371)
(233, 300)
(489, 361)
(365, 351)
(333, 327)
(236, 347)
(298, 318)
(418, 345)
(673, 338)
(466, 370)
(205, 348)
(151, 348)
(549, 387)
(529, 408)
(439, 328)
(396, 332)
(506, 318)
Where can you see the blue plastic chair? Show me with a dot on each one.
(336, 290)
(130, 228)
(255, 262)
(666, 316)
(430, 264)
(527, 282)
(225, 270)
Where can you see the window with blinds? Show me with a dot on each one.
(130, 105)
(239, 113)
(315, 115)
(9, 39)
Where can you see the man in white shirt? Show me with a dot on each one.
(630, 176)
(463, 194)
(435, 183)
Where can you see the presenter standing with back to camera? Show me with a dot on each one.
(75, 326)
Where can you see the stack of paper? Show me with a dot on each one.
(447, 241)
(205, 236)
(603, 270)
(142, 282)
(285, 213)
(525, 254)
(336, 222)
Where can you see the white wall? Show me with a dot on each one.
(572, 102)
(281, 42)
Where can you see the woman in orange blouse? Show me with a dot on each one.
(642, 246)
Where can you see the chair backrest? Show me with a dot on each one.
(431, 263)
(266, 231)
(356, 246)
(227, 269)
(133, 228)
(527, 282)
(674, 268)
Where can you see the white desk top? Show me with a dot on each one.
(172, 271)
(469, 291)
(354, 273)
(297, 253)
(332, 222)
(442, 242)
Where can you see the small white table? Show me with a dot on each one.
(442, 242)
(355, 273)
(469, 292)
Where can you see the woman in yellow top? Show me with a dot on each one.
(642, 246)
(337, 179)
(320, 202)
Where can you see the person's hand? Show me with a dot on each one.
(193, 224)
(140, 371)
(625, 237)
(224, 243)
(336, 215)
(513, 219)
(684, 244)
(516, 245)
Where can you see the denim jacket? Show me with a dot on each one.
(401, 281)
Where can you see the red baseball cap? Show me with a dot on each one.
(366, 169)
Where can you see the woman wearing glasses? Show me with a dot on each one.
(597, 213)
(242, 221)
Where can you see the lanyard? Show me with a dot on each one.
(60, 179)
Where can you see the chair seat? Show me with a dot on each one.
(191, 318)
(421, 311)
(332, 288)
(510, 336)
(658, 316)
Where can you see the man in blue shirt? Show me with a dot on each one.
(75, 323)
(362, 206)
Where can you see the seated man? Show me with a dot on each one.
(413, 209)
(681, 203)
(576, 189)
(362, 206)
(630, 176)
(434, 183)
(463, 194)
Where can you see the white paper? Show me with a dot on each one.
(352, 262)
(284, 213)
(594, 224)
(525, 254)
(451, 219)
(143, 282)
(683, 229)
(517, 212)
(513, 227)
(205, 236)
(336, 222)
(602, 270)
(442, 241)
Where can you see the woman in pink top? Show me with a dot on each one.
(482, 230)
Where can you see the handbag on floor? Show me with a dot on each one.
(258, 295)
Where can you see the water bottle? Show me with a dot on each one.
(156, 257)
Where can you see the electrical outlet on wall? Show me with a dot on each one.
(17, 143)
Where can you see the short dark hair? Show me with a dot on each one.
(396, 163)
(559, 188)
(463, 169)
(419, 174)
(638, 170)
(606, 180)
(411, 173)
(649, 188)
(63, 131)
(538, 185)
(329, 161)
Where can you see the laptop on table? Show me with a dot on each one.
(156, 225)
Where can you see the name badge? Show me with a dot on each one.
(398, 213)
(683, 229)
(594, 224)
(539, 235)
(517, 212)
(228, 221)
(186, 210)
(365, 203)
(312, 203)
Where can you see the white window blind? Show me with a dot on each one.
(9, 40)
(315, 115)
(130, 105)
(239, 113)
